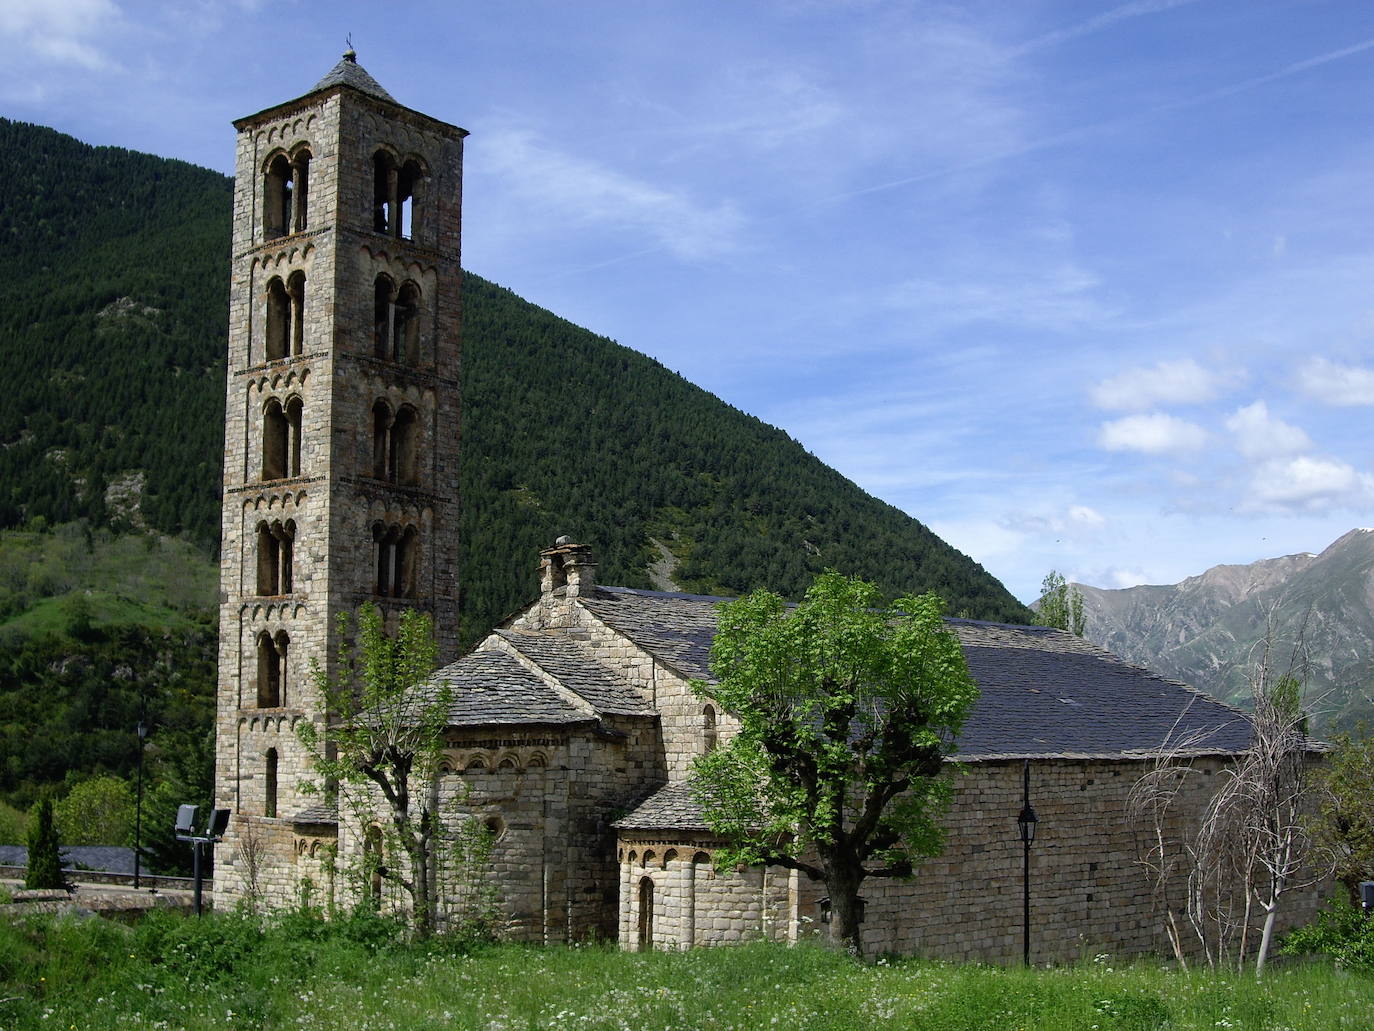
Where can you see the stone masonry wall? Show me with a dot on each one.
(1088, 893)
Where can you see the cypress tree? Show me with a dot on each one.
(45, 858)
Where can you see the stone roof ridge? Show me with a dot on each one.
(563, 661)
(639, 592)
(564, 693)
(348, 72)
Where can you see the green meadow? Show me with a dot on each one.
(233, 971)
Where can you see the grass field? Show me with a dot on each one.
(230, 972)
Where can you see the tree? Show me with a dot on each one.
(382, 748)
(1060, 604)
(1253, 844)
(1346, 807)
(846, 713)
(45, 852)
(97, 811)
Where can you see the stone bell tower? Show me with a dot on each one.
(341, 436)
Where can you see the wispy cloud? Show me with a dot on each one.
(1334, 383)
(1181, 381)
(1105, 20)
(1154, 433)
(1057, 297)
(61, 31)
(542, 178)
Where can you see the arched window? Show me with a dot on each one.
(271, 667)
(405, 334)
(646, 914)
(398, 196)
(285, 185)
(275, 546)
(381, 439)
(372, 864)
(382, 292)
(277, 197)
(278, 321)
(286, 548)
(300, 167)
(396, 551)
(709, 735)
(276, 440)
(294, 409)
(295, 289)
(403, 464)
(269, 790)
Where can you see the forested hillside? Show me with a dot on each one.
(113, 287)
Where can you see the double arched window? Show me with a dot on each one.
(396, 321)
(281, 439)
(398, 195)
(285, 186)
(395, 444)
(396, 549)
(285, 321)
(272, 669)
(276, 544)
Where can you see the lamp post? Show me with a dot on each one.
(1025, 822)
(142, 731)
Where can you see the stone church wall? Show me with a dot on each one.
(1088, 892)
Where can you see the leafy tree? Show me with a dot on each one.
(45, 853)
(98, 811)
(381, 753)
(1060, 604)
(1345, 784)
(846, 714)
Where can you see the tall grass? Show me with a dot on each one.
(297, 972)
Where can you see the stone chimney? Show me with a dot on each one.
(567, 569)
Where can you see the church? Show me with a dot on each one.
(573, 725)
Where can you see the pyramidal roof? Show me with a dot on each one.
(348, 72)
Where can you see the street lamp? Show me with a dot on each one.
(142, 731)
(186, 831)
(1025, 822)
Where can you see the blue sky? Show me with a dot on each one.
(1084, 286)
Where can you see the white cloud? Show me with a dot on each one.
(1154, 433)
(1337, 384)
(1309, 484)
(60, 31)
(1085, 516)
(585, 192)
(1122, 578)
(1260, 435)
(1183, 381)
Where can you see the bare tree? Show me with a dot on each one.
(1252, 845)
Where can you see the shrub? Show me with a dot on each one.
(1340, 931)
(45, 854)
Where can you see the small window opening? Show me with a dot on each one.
(294, 409)
(709, 734)
(276, 436)
(300, 168)
(295, 289)
(406, 326)
(269, 803)
(271, 669)
(382, 316)
(381, 435)
(646, 914)
(278, 319)
(403, 466)
(383, 190)
(372, 864)
(409, 190)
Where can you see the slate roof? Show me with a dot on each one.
(348, 72)
(671, 807)
(106, 858)
(575, 668)
(320, 812)
(492, 687)
(1045, 692)
(675, 628)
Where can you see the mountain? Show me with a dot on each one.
(113, 287)
(1205, 630)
